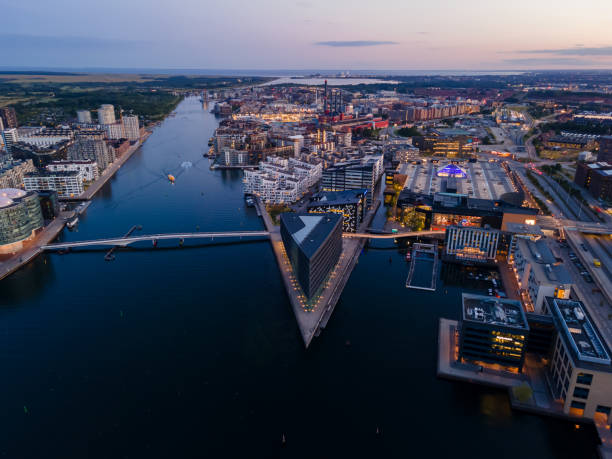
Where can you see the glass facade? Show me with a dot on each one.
(20, 214)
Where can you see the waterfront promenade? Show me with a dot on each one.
(35, 246)
(32, 248)
(311, 321)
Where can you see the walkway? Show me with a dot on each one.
(394, 235)
(125, 241)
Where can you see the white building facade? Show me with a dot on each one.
(67, 184)
(87, 168)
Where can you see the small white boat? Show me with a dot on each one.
(72, 223)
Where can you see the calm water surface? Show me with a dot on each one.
(194, 352)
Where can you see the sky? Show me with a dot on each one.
(307, 34)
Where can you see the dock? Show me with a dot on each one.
(540, 402)
(424, 256)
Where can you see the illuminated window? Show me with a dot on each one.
(530, 221)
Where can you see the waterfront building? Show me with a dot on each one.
(91, 145)
(492, 331)
(351, 204)
(281, 181)
(106, 114)
(471, 244)
(67, 184)
(20, 218)
(87, 168)
(10, 137)
(114, 131)
(9, 117)
(12, 171)
(84, 117)
(131, 127)
(354, 174)
(580, 370)
(539, 273)
(313, 244)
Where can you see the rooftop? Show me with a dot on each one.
(578, 331)
(331, 198)
(309, 231)
(494, 311)
(543, 263)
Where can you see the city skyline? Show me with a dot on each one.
(308, 34)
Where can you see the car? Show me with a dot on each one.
(588, 279)
(572, 254)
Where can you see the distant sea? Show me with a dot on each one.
(264, 73)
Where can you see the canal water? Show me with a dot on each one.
(194, 352)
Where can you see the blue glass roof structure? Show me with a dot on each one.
(452, 170)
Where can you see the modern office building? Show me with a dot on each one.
(106, 114)
(20, 217)
(451, 209)
(131, 127)
(492, 331)
(281, 181)
(580, 371)
(539, 273)
(12, 171)
(67, 184)
(87, 168)
(313, 244)
(355, 174)
(9, 117)
(471, 244)
(84, 117)
(351, 204)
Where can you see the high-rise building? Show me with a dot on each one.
(354, 175)
(313, 244)
(84, 117)
(9, 117)
(114, 131)
(131, 127)
(106, 114)
(10, 138)
(20, 217)
(91, 145)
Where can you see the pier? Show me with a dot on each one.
(424, 258)
(312, 321)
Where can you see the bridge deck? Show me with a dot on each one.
(125, 241)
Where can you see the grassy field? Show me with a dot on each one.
(49, 98)
(22, 78)
(559, 155)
